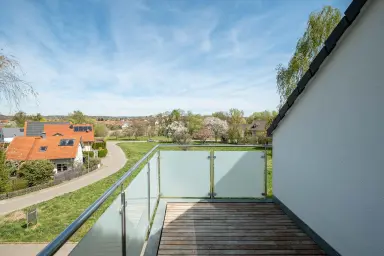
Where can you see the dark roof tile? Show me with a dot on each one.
(318, 60)
(337, 32)
(303, 81)
(283, 110)
(354, 9)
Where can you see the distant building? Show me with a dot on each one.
(65, 151)
(8, 134)
(257, 127)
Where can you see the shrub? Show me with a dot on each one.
(254, 140)
(36, 172)
(4, 174)
(88, 153)
(17, 184)
(99, 144)
(93, 162)
(103, 152)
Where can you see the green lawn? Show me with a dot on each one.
(56, 214)
(141, 138)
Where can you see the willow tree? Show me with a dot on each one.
(319, 26)
(12, 87)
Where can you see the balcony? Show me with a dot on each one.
(191, 203)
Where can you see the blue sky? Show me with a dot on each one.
(144, 57)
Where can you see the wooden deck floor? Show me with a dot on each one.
(232, 229)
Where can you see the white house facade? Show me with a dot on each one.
(328, 148)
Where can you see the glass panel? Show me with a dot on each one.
(184, 173)
(239, 174)
(154, 183)
(104, 238)
(137, 212)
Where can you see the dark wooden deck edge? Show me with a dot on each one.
(218, 200)
(156, 230)
(327, 248)
(157, 226)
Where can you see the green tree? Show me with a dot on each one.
(116, 134)
(221, 115)
(77, 117)
(176, 115)
(319, 26)
(194, 122)
(36, 172)
(101, 130)
(38, 117)
(12, 87)
(236, 117)
(264, 115)
(4, 174)
(20, 118)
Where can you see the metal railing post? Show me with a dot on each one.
(149, 190)
(123, 225)
(265, 171)
(158, 172)
(212, 174)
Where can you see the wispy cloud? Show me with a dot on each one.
(143, 57)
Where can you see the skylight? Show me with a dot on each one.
(43, 148)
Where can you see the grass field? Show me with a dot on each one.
(140, 138)
(56, 214)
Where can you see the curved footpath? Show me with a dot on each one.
(113, 162)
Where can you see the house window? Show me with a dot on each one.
(61, 167)
(43, 148)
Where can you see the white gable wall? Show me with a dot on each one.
(79, 156)
(328, 152)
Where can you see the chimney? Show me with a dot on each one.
(43, 135)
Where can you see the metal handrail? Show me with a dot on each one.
(64, 236)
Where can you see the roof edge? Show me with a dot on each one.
(350, 15)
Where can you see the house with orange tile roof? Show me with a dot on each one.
(66, 152)
(83, 130)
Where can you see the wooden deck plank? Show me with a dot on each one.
(232, 229)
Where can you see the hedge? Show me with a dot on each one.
(103, 152)
(99, 144)
(69, 175)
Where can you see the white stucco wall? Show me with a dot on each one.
(87, 146)
(328, 152)
(8, 140)
(79, 157)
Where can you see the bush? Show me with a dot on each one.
(99, 144)
(103, 152)
(4, 173)
(36, 172)
(101, 130)
(17, 184)
(88, 153)
(93, 162)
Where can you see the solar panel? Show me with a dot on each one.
(67, 142)
(76, 129)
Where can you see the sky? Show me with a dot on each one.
(136, 57)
